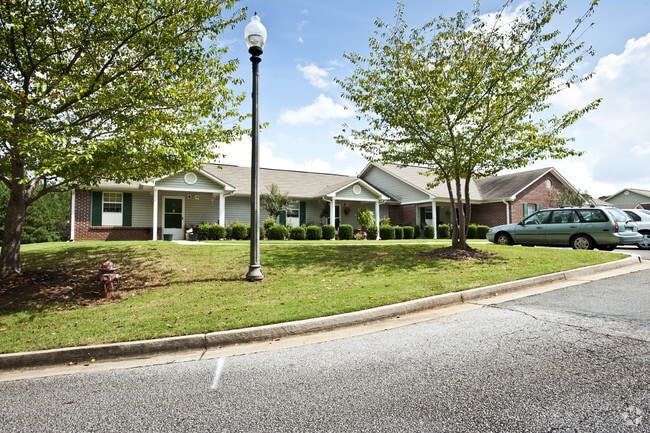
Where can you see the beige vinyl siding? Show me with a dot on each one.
(200, 208)
(142, 209)
(177, 181)
(394, 187)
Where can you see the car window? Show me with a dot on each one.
(537, 218)
(564, 217)
(593, 215)
(632, 215)
(618, 215)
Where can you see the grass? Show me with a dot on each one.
(169, 289)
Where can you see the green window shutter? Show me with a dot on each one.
(127, 206)
(538, 207)
(283, 218)
(303, 212)
(96, 208)
(525, 210)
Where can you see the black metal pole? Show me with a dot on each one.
(255, 268)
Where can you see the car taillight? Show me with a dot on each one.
(615, 226)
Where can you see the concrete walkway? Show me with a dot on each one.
(234, 342)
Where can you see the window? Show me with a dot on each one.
(538, 218)
(530, 209)
(112, 209)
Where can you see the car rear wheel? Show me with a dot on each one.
(503, 239)
(582, 242)
(645, 243)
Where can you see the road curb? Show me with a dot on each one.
(201, 342)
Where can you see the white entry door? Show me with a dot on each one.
(173, 217)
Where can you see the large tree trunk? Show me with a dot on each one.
(13, 231)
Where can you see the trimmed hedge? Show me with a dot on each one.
(208, 231)
(387, 232)
(277, 232)
(298, 233)
(371, 233)
(429, 232)
(399, 232)
(409, 232)
(239, 231)
(314, 233)
(346, 232)
(329, 232)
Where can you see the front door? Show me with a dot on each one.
(173, 216)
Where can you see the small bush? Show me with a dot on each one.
(372, 232)
(329, 232)
(298, 233)
(409, 232)
(481, 231)
(471, 232)
(314, 233)
(239, 231)
(277, 232)
(268, 223)
(345, 232)
(399, 232)
(386, 232)
(444, 231)
(417, 232)
(429, 233)
(208, 231)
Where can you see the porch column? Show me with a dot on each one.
(434, 219)
(155, 214)
(222, 209)
(333, 212)
(377, 217)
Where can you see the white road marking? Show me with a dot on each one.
(217, 373)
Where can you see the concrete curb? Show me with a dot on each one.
(202, 342)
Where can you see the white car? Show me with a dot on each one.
(642, 219)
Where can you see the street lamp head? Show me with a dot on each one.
(255, 34)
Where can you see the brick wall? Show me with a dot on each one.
(83, 231)
(402, 214)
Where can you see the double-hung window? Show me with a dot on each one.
(112, 209)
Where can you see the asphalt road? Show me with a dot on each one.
(570, 360)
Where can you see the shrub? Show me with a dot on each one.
(471, 232)
(277, 232)
(345, 232)
(444, 231)
(298, 233)
(481, 231)
(409, 232)
(372, 232)
(365, 217)
(314, 233)
(208, 231)
(399, 232)
(417, 232)
(386, 232)
(262, 232)
(239, 231)
(268, 223)
(329, 232)
(429, 233)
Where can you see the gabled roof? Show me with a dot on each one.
(296, 184)
(494, 188)
(642, 192)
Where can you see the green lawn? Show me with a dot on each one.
(169, 289)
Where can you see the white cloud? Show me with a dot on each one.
(317, 77)
(322, 109)
(615, 137)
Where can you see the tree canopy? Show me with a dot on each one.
(108, 90)
(467, 96)
(275, 202)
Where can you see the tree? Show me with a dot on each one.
(275, 202)
(465, 97)
(569, 197)
(108, 90)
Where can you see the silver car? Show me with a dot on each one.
(642, 219)
(582, 228)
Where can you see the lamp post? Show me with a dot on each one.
(255, 35)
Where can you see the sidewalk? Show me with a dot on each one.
(227, 343)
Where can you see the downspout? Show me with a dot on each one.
(434, 218)
(507, 209)
(73, 213)
(377, 217)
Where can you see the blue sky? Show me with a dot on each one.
(304, 108)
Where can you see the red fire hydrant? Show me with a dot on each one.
(107, 277)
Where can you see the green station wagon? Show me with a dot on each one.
(579, 228)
